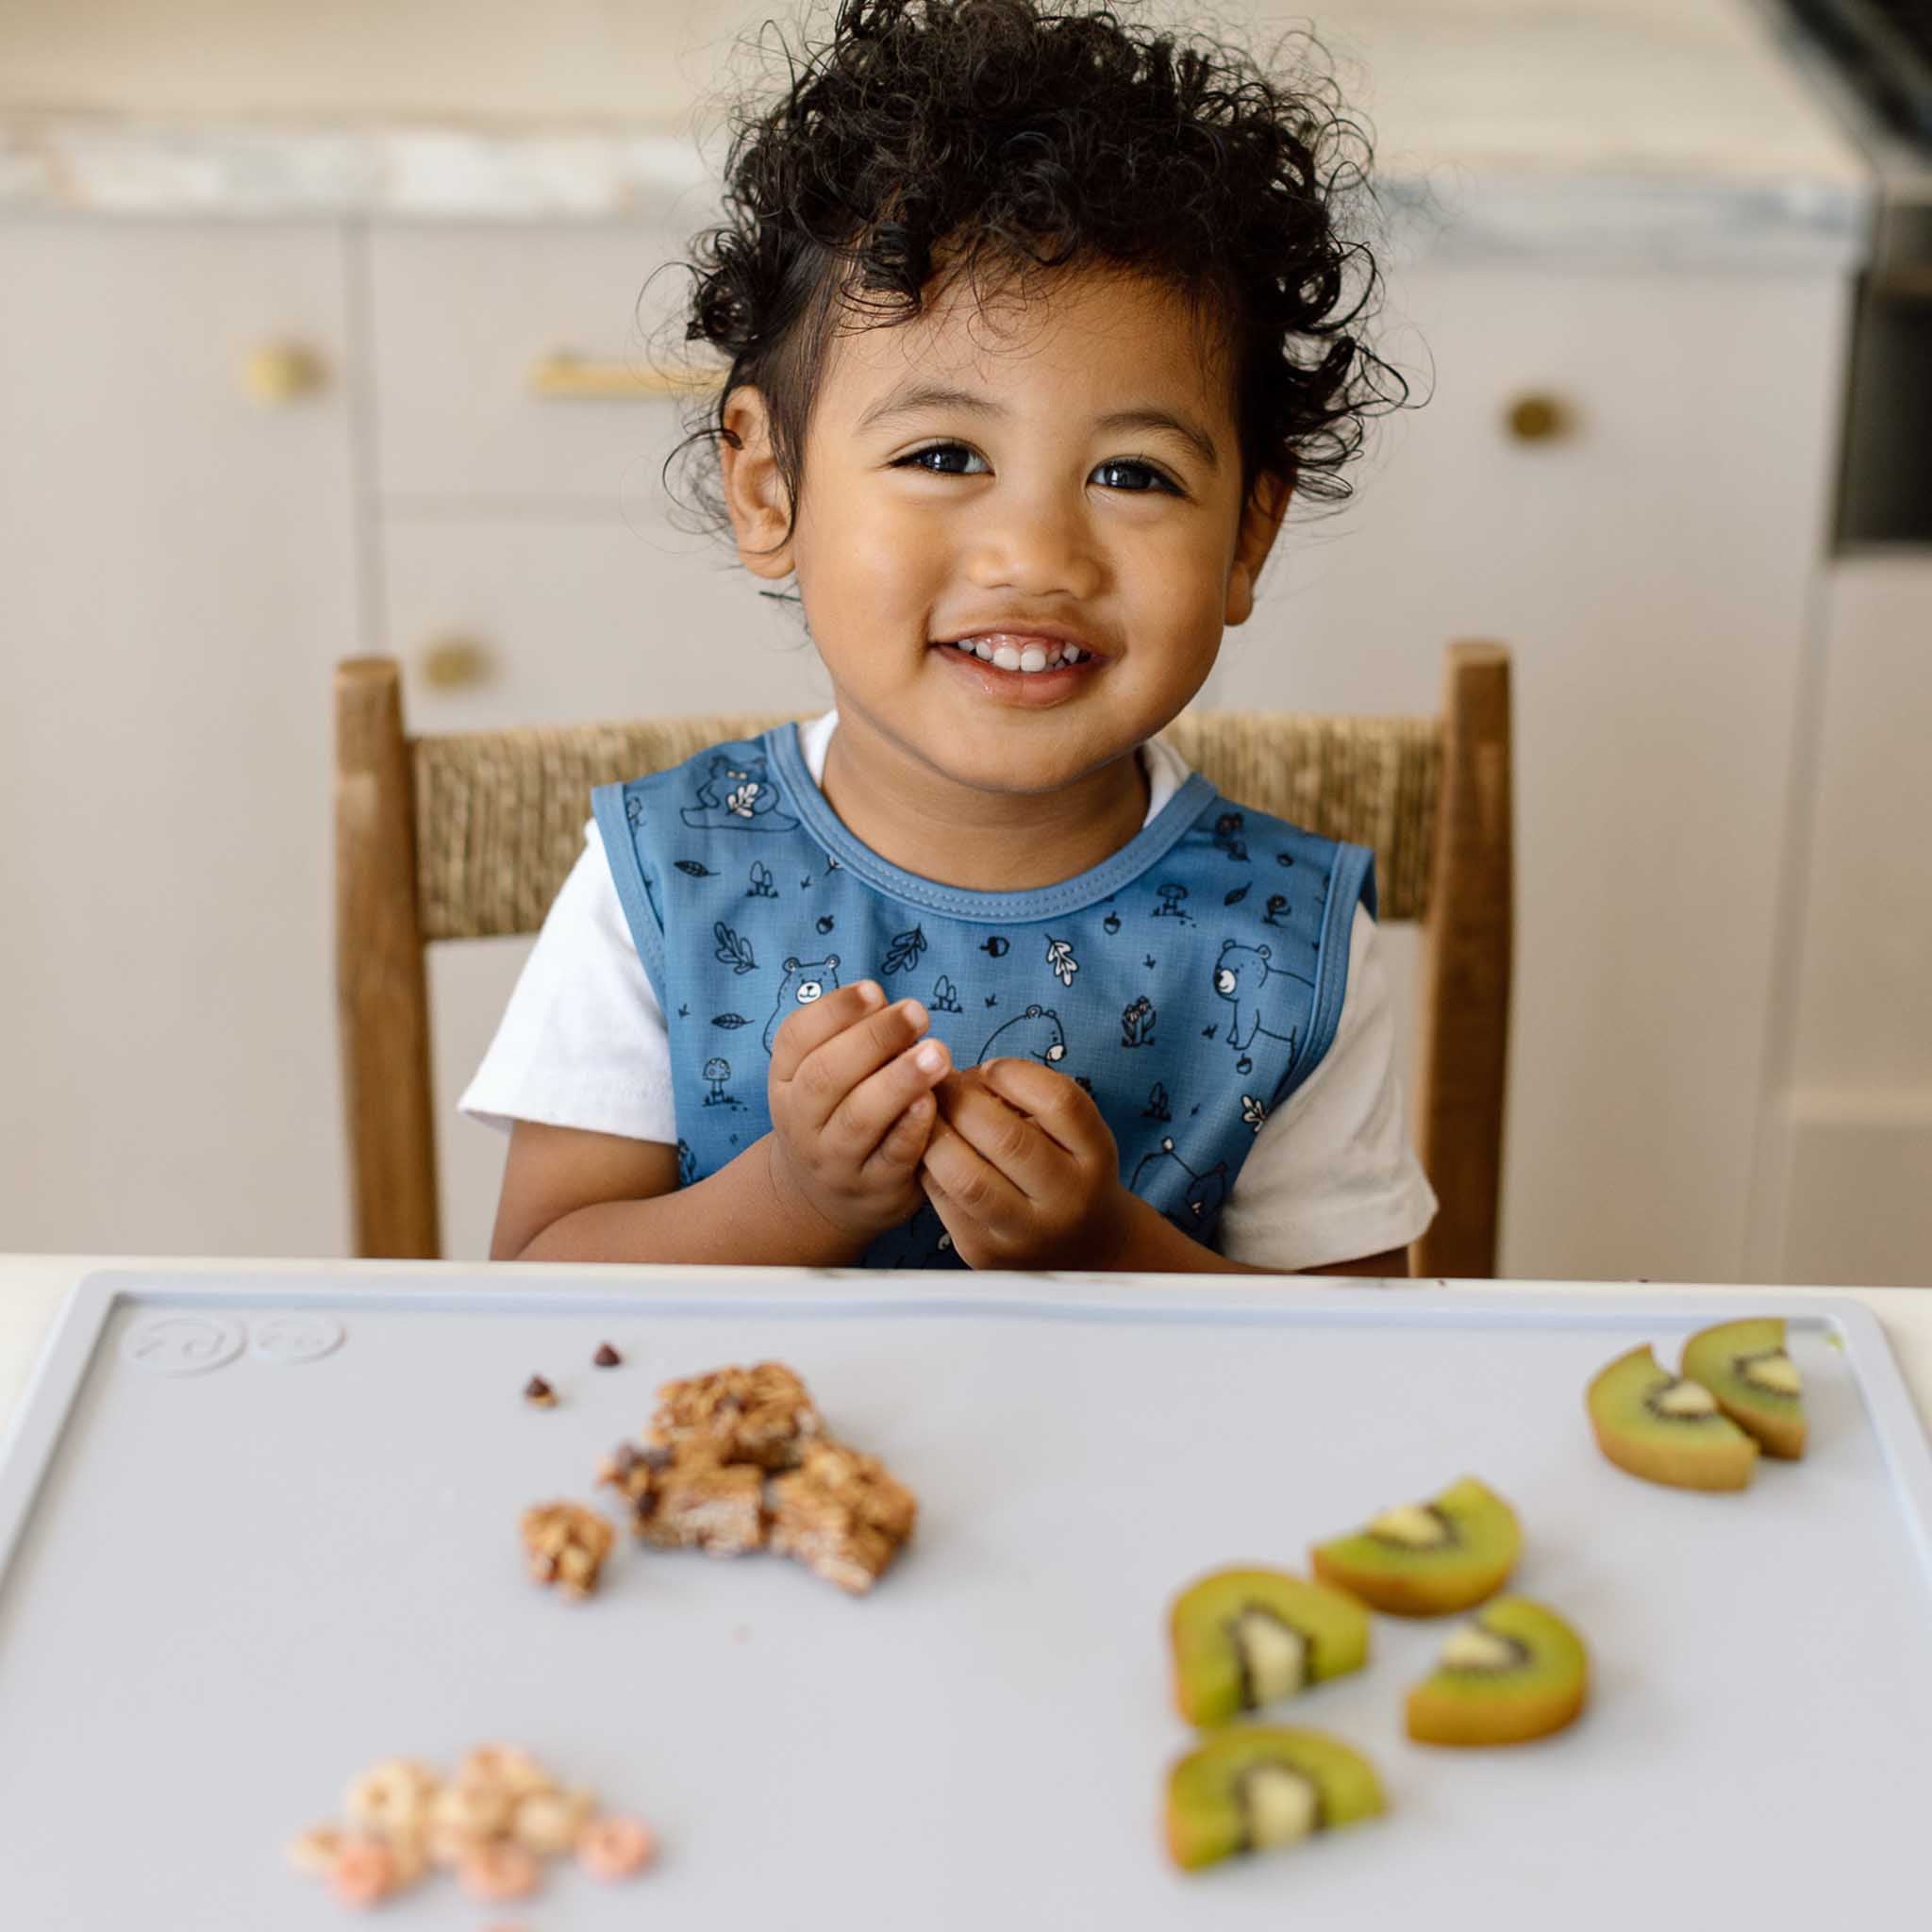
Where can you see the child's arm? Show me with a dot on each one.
(851, 1110)
(1025, 1173)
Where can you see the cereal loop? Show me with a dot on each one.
(547, 1823)
(506, 1766)
(492, 1872)
(391, 1797)
(365, 1872)
(313, 1854)
(615, 1847)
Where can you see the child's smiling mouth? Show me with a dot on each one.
(1016, 670)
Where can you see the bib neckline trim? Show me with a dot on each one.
(1158, 837)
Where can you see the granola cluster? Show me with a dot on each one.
(739, 1461)
(567, 1544)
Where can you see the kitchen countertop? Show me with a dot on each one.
(1678, 131)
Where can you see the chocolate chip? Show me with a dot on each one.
(607, 1357)
(539, 1391)
(655, 1456)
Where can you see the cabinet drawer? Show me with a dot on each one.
(584, 618)
(464, 320)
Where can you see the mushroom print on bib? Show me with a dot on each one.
(1186, 1000)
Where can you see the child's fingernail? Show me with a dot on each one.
(915, 1012)
(869, 994)
(930, 1057)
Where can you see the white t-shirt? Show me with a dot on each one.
(1331, 1176)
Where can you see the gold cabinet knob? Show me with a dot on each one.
(455, 664)
(276, 373)
(1538, 417)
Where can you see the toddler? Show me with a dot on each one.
(1034, 324)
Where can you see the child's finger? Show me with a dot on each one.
(904, 1143)
(967, 1178)
(1008, 1138)
(806, 1027)
(867, 1113)
(1061, 1106)
(838, 1068)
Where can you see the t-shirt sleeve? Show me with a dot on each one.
(583, 1042)
(1332, 1176)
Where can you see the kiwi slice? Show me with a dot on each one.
(1424, 1559)
(1245, 1638)
(1514, 1673)
(1745, 1366)
(1666, 1428)
(1252, 1788)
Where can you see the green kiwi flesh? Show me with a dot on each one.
(1258, 1786)
(1424, 1559)
(1516, 1672)
(1746, 1366)
(1247, 1638)
(1666, 1428)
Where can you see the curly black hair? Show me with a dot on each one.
(1004, 138)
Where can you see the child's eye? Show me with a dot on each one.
(1114, 465)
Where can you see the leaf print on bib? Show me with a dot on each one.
(734, 952)
(905, 951)
(730, 1022)
(1136, 1023)
(1059, 959)
(694, 869)
(1254, 1111)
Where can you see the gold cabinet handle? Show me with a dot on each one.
(277, 373)
(1538, 417)
(565, 377)
(455, 664)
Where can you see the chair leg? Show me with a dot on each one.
(381, 989)
(1465, 1020)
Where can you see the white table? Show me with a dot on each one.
(32, 1285)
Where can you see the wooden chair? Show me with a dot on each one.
(469, 836)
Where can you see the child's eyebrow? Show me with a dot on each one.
(907, 401)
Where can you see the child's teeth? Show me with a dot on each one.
(1027, 657)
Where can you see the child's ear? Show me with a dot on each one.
(754, 490)
(1260, 524)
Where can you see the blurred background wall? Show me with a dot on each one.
(279, 288)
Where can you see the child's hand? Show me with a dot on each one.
(851, 1097)
(1023, 1171)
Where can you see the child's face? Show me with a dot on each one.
(1015, 502)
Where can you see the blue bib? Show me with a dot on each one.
(1190, 982)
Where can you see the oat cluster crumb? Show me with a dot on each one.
(738, 1459)
(567, 1544)
(494, 1824)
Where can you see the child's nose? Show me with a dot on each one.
(1035, 544)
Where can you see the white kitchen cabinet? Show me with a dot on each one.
(1847, 1179)
(591, 615)
(1655, 575)
(178, 567)
(465, 319)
